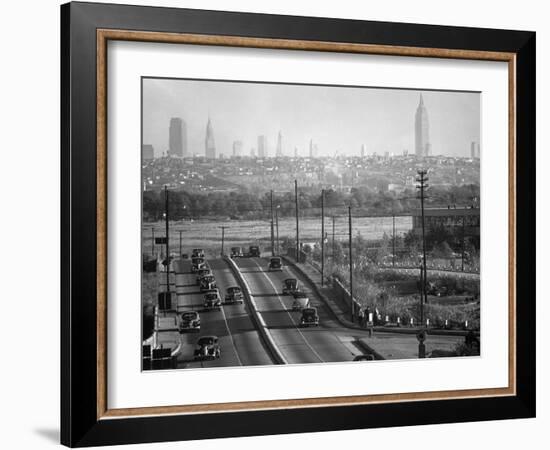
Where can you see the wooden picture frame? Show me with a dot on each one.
(86, 418)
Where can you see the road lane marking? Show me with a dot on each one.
(289, 315)
(229, 331)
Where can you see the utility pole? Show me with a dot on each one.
(277, 226)
(322, 237)
(350, 267)
(272, 231)
(223, 237)
(180, 231)
(153, 241)
(422, 181)
(297, 221)
(463, 243)
(167, 239)
(393, 251)
(333, 241)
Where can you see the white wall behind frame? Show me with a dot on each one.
(30, 387)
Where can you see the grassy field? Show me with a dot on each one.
(207, 233)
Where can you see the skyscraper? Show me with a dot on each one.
(177, 139)
(279, 151)
(209, 144)
(237, 148)
(311, 149)
(474, 150)
(363, 151)
(422, 130)
(262, 146)
(147, 152)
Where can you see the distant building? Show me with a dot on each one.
(279, 150)
(422, 131)
(452, 218)
(209, 143)
(296, 152)
(262, 146)
(405, 152)
(147, 152)
(177, 139)
(253, 152)
(311, 149)
(363, 151)
(237, 148)
(474, 150)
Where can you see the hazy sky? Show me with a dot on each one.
(336, 118)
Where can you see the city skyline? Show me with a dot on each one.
(337, 119)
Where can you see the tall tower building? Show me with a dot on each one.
(237, 148)
(296, 152)
(177, 138)
(311, 149)
(147, 152)
(209, 143)
(363, 151)
(262, 146)
(279, 151)
(474, 150)
(422, 130)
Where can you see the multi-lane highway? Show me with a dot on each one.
(329, 342)
(239, 340)
(269, 333)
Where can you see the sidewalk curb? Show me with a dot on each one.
(369, 350)
(256, 316)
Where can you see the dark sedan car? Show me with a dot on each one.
(207, 347)
(275, 263)
(234, 294)
(190, 321)
(309, 317)
(254, 251)
(212, 300)
(290, 285)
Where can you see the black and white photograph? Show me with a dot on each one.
(300, 223)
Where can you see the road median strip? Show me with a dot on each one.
(256, 316)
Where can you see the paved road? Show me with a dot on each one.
(240, 342)
(327, 343)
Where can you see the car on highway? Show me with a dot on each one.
(254, 251)
(290, 285)
(366, 357)
(189, 321)
(197, 263)
(301, 301)
(202, 273)
(207, 347)
(275, 263)
(212, 299)
(309, 317)
(207, 283)
(236, 252)
(197, 253)
(234, 294)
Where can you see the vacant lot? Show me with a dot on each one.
(207, 234)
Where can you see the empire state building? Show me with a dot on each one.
(209, 144)
(422, 131)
